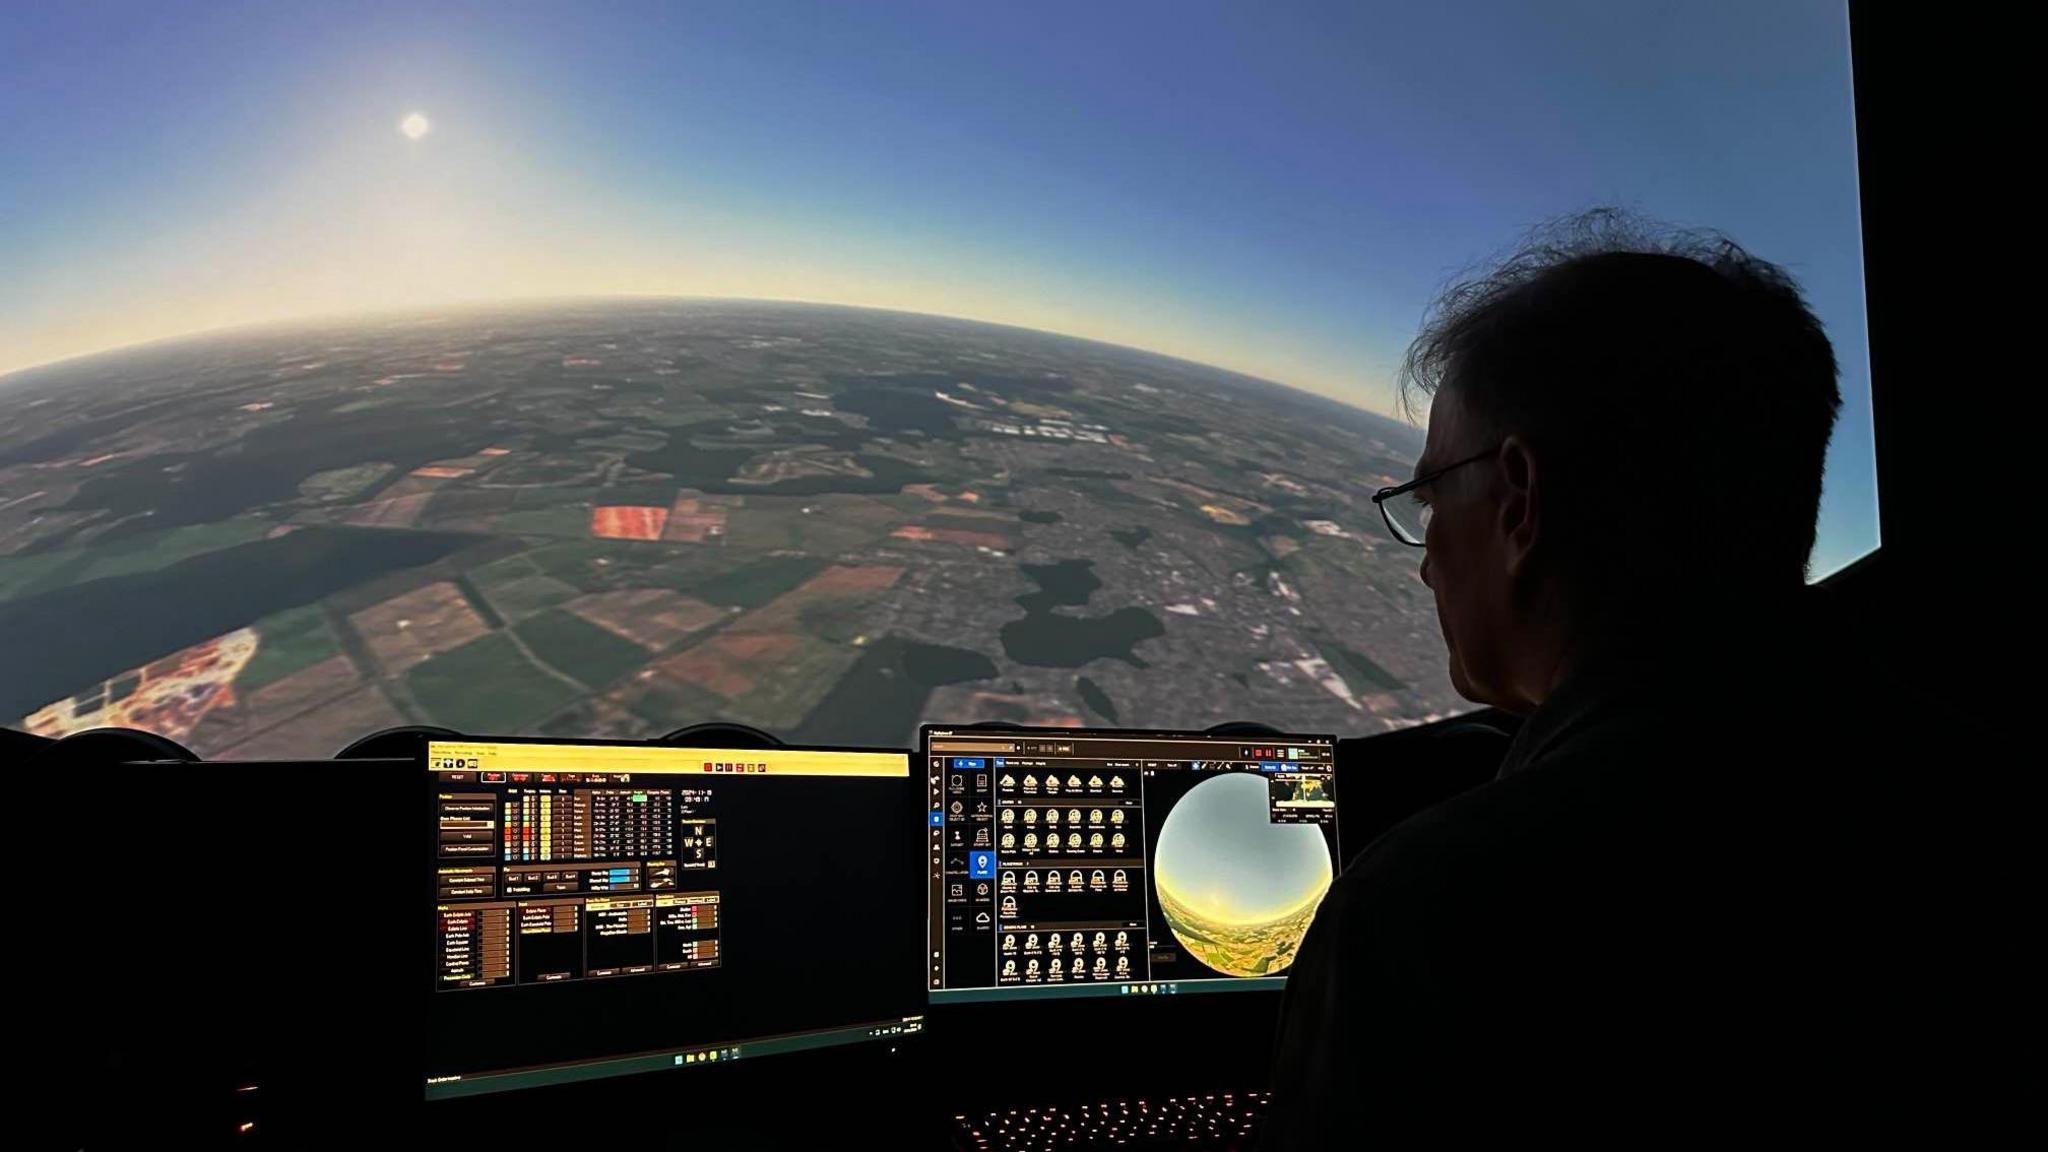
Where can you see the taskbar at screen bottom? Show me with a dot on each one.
(479, 1083)
(1102, 991)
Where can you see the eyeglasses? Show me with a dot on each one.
(1406, 513)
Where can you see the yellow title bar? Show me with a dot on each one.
(486, 756)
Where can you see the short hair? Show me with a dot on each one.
(1679, 391)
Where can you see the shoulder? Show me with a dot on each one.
(1514, 832)
(1476, 825)
(1437, 861)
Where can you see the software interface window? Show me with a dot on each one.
(1077, 863)
(584, 878)
(611, 908)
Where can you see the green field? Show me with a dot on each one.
(291, 640)
(486, 687)
(337, 485)
(579, 648)
(145, 552)
(755, 584)
(673, 705)
(522, 598)
(837, 621)
(878, 700)
(792, 528)
(577, 561)
(516, 588)
(572, 522)
(792, 688)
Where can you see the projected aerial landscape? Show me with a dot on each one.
(616, 519)
(469, 365)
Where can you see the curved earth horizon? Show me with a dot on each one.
(615, 517)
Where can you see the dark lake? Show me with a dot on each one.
(64, 639)
(894, 408)
(1093, 696)
(1065, 583)
(1049, 640)
(268, 464)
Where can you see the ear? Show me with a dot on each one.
(1521, 505)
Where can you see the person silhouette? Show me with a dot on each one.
(1667, 901)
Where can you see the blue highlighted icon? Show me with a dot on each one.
(969, 762)
(938, 817)
(981, 865)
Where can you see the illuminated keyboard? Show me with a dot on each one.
(1228, 1120)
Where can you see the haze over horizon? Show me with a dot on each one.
(420, 312)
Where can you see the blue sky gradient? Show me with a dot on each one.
(1275, 188)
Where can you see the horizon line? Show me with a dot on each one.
(1291, 910)
(320, 317)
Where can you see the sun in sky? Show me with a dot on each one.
(415, 125)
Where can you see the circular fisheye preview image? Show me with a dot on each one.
(1237, 890)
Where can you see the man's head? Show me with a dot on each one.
(1652, 412)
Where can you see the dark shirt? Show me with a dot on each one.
(1666, 914)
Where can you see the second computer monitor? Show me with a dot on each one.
(1094, 862)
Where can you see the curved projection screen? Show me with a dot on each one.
(830, 375)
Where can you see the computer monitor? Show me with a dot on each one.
(601, 909)
(1097, 862)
